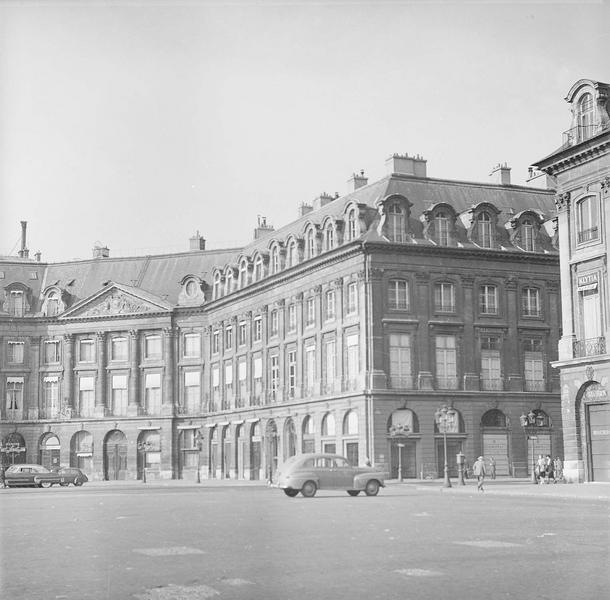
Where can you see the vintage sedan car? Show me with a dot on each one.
(71, 475)
(308, 473)
(36, 475)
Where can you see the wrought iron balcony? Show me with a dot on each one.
(590, 347)
(580, 134)
(586, 235)
(492, 384)
(447, 383)
(535, 385)
(401, 382)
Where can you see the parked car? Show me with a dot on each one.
(308, 473)
(36, 475)
(71, 475)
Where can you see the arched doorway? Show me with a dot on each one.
(255, 452)
(271, 448)
(329, 434)
(81, 451)
(14, 451)
(290, 438)
(115, 455)
(49, 451)
(456, 436)
(403, 433)
(240, 448)
(309, 443)
(593, 409)
(494, 431)
(149, 453)
(350, 437)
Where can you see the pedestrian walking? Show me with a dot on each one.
(2, 477)
(479, 472)
(540, 469)
(549, 472)
(492, 467)
(558, 468)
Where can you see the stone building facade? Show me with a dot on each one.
(581, 169)
(344, 331)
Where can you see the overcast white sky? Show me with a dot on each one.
(137, 123)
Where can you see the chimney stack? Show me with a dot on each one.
(539, 179)
(100, 251)
(356, 181)
(38, 255)
(501, 173)
(197, 242)
(24, 252)
(322, 200)
(403, 164)
(262, 228)
(305, 209)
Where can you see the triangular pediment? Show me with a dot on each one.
(117, 301)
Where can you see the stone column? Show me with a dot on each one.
(469, 308)
(68, 383)
(31, 399)
(167, 399)
(510, 357)
(133, 402)
(421, 299)
(566, 343)
(100, 380)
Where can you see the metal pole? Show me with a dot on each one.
(447, 482)
(400, 447)
(533, 478)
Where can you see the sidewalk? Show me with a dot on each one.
(509, 486)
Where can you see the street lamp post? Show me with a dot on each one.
(528, 422)
(12, 448)
(399, 432)
(144, 447)
(199, 444)
(445, 419)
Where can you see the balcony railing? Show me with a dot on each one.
(535, 385)
(447, 383)
(401, 382)
(590, 347)
(580, 134)
(492, 384)
(586, 235)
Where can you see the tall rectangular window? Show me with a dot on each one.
(51, 351)
(192, 345)
(192, 392)
(444, 297)
(274, 373)
(330, 365)
(310, 369)
(215, 404)
(152, 347)
(446, 362)
(488, 300)
(274, 323)
(16, 303)
(257, 333)
(119, 395)
(352, 346)
(14, 397)
(51, 396)
(400, 361)
(215, 342)
(351, 306)
(86, 396)
(86, 350)
(228, 397)
(292, 373)
(587, 219)
(533, 365)
(229, 338)
(242, 336)
(330, 305)
(530, 302)
(491, 376)
(292, 318)
(15, 352)
(152, 393)
(242, 375)
(257, 374)
(310, 307)
(398, 294)
(118, 349)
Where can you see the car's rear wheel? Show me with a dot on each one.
(309, 489)
(77, 482)
(45, 484)
(353, 492)
(372, 488)
(290, 492)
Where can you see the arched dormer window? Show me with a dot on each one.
(243, 274)
(16, 300)
(352, 225)
(585, 117)
(439, 224)
(329, 236)
(258, 268)
(310, 243)
(216, 286)
(484, 230)
(442, 228)
(52, 304)
(228, 281)
(528, 235)
(395, 223)
(293, 256)
(275, 259)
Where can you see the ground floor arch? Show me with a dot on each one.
(81, 451)
(49, 451)
(115, 455)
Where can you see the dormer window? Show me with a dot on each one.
(528, 235)
(292, 254)
(275, 260)
(216, 289)
(243, 274)
(52, 305)
(258, 268)
(329, 237)
(229, 281)
(351, 225)
(484, 223)
(191, 288)
(587, 219)
(311, 243)
(395, 223)
(16, 303)
(585, 117)
(442, 229)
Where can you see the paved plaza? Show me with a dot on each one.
(225, 540)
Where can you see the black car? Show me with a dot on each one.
(71, 475)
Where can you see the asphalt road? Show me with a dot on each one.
(195, 542)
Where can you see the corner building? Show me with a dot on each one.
(344, 331)
(581, 169)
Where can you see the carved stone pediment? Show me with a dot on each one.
(115, 302)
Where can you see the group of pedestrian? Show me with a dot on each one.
(548, 470)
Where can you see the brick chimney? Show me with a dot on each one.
(24, 252)
(262, 228)
(322, 200)
(100, 251)
(501, 174)
(197, 242)
(403, 164)
(304, 209)
(356, 181)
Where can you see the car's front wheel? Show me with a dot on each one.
(372, 488)
(77, 482)
(309, 489)
(353, 492)
(45, 484)
(290, 492)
